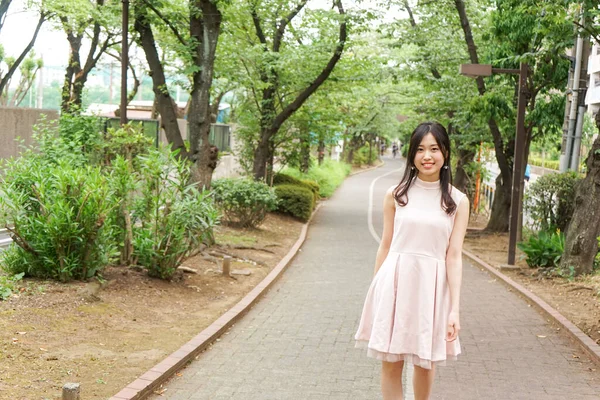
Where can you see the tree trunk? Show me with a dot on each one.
(501, 207)
(165, 104)
(262, 155)
(304, 152)
(461, 177)
(204, 29)
(321, 151)
(581, 244)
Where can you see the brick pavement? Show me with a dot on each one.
(297, 342)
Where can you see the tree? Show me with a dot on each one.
(282, 45)
(441, 94)
(581, 245)
(14, 64)
(83, 19)
(28, 71)
(519, 33)
(195, 49)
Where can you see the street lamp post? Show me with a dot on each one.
(124, 62)
(475, 70)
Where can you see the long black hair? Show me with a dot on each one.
(410, 173)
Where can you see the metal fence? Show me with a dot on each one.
(220, 134)
(149, 126)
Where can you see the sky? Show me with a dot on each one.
(52, 45)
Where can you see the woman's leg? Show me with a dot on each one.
(423, 382)
(391, 380)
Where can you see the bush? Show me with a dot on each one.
(171, 217)
(295, 200)
(329, 176)
(244, 202)
(537, 161)
(549, 201)
(544, 249)
(59, 213)
(361, 156)
(283, 179)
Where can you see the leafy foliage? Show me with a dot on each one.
(244, 202)
(328, 176)
(544, 249)
(295, 200)
(8, 285)
(59, 213)
(549, 201)
(283, 179)
(171, 217)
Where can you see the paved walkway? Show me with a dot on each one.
(297, 342)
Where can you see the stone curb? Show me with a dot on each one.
(144, 385)
(367, 169)
(576, 334)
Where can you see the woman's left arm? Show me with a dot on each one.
(454, 266)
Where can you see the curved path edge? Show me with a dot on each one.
(576, 334)
(143, 386)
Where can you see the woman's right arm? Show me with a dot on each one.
(389, 211)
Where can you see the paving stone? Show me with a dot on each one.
(297, 341)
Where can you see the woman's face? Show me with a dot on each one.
(429, 159)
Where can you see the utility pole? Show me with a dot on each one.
(124, 62)
(568, 139)
(581, 108)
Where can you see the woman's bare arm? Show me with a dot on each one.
(389, 211)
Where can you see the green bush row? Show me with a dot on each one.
(537, 161)
(296, 200)
(329, 175)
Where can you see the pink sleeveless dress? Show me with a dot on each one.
(406, 311)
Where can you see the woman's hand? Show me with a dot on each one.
(453, 327)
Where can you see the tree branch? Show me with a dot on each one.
(283, 24)
(306, 93)
(13, 68)
(258, 28)
(166, 21)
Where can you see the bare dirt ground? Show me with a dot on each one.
(578, 299)
(103, 336)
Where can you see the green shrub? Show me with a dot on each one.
(549, 201)
(283, 179)
(295, 200)
(59, 213)
(329, 176)
(244, 202)
(171, 217)
(361, 156)
(544, 249)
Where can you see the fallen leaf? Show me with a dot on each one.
(43, 349)
(541, 336)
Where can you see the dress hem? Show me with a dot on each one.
(410, 358)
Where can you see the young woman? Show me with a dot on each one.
(411, 313)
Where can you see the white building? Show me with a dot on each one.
(592, 97)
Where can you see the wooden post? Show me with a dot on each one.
(71, 391)
(226, 265)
